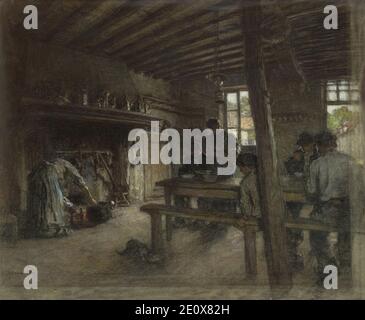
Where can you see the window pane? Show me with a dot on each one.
(247, 123)
(232, 119)
(332, 87)
(244, 94)
(344, 96)
(248, 137)
(244, 138)
(245, 104)
(331, 95)
(343, 85)
(234, 132)
(231, 101)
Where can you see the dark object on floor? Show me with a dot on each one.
(138, 250)
(99, 213)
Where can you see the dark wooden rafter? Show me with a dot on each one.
(211, 61)
(199, 58)
(170, 15)
(171, 30)
(88, 21)
(129, 27)
(234, 68)
(237, 63)
(189, 51)
(124, 9)
(75, 15)
(188, 46)
(56, 15)
(321, 54)
(170, 38)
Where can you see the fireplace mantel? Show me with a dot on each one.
(40, 109)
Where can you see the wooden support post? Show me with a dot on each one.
(271, 198)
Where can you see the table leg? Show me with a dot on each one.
(168, 228)
(250, 251)
(168, 202)
(156, 233)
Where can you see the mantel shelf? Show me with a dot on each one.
(40, 109)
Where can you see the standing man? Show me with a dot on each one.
(306, 145)
(328, 188)
(298, 166)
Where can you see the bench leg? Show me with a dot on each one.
(168, 228)
(169, 201)
(250, 251)
(156, 233)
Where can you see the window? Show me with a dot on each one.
(342, 97)
(343, 91)
(239, 121)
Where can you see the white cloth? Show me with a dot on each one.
(329, 176)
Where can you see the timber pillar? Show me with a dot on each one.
(271, 198)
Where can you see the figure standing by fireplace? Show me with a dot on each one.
(47, 202)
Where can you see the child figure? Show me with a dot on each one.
(249, 197)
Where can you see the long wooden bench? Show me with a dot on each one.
(248, 225)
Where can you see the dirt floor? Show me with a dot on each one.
(198, 265)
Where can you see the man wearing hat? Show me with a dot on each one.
(298, 165)
(328, 188)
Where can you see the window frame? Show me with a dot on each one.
(236, 90)
(349, 91)
(338, 102)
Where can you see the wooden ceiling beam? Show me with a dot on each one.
(174, 58)
(229, 68)
(182, 22)
(180, 43)
(203, 68)
(169, 16)
(124, 9)
(127, 30)
(223, 56)
(76, 15)
(58, 12)
(89, 20)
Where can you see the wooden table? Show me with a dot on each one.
(223, 188)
